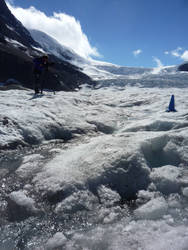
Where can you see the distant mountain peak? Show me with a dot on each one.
(51, 45)
(17, 49)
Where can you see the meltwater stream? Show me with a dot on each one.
(95, 169)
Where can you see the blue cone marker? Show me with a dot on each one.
(171, 107)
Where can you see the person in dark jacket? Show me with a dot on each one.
(40, 70)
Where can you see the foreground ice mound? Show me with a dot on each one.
(107, 160)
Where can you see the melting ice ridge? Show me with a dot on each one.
(95, 169)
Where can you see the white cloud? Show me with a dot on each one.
(184, 56)
(158, 62)
(64, 28)
(10, 1)
(179, 53)
(159, 65)
(137, 52)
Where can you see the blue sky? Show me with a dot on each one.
(125, 32)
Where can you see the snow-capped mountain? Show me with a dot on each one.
(17, 50)
(104, 72)
(96, 69)
(52, 46)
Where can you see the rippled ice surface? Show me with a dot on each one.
(94, 169)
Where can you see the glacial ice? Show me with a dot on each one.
(107, 167)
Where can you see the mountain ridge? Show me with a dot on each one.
(17, 50)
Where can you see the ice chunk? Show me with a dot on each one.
(81, 200)
(107, 196)
(30, 165)
(109, 215)
(144, 196)
(174, 201)
(166, 179)
(20, 206)
(56, 242)
(185, 192)
(3, 172)
(153, 209)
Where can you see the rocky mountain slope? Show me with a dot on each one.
(17, 50)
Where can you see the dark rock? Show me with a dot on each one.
(12, 86)
(11, 81)
(183, 67)
(11, 28)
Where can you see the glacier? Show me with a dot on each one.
(103, 167)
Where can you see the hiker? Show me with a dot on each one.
(40, 70)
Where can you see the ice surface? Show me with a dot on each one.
(143, 235)
(88, 153)
(36, 122)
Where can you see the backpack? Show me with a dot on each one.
(38, 65)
